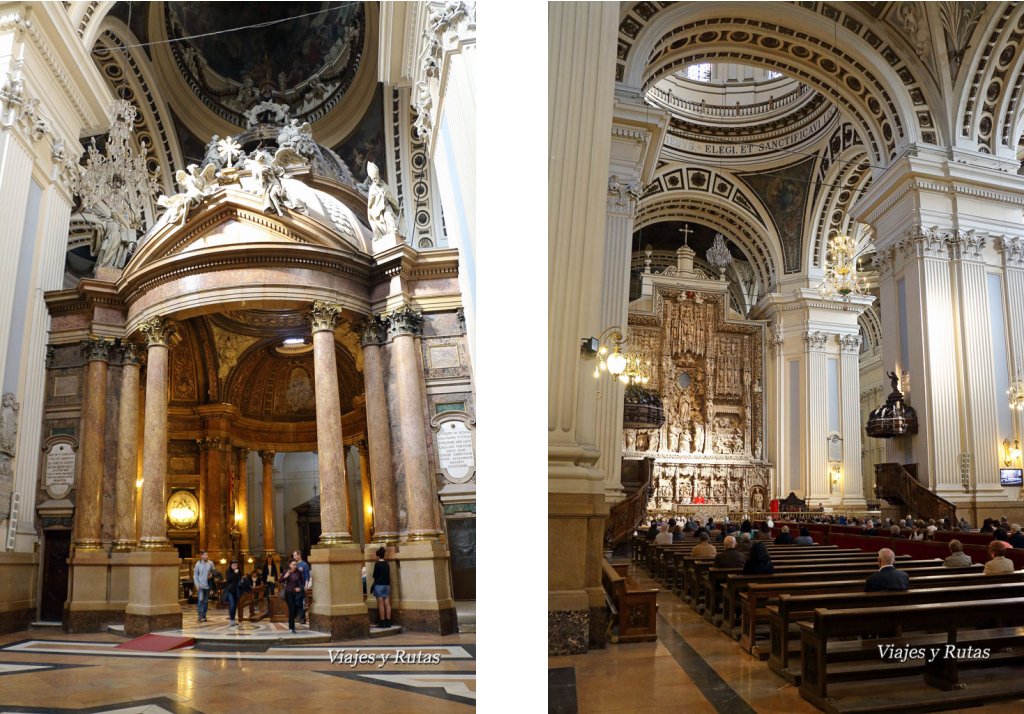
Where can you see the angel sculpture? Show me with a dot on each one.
(196, 184)
(298, 137)
(269, 172)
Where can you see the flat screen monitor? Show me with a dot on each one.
(1011, 477)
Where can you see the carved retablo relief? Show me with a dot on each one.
(708, 373)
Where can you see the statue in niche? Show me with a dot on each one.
(382, 208)
(757, 500)
(652, 440)
(630, 439)
(674, 431)
(684, 446)
(698, 434)
(9, 409)
(757, 448)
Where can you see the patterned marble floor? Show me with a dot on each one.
(46, 670)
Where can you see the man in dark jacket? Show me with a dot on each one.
(887, 577)
(730, 557)
(1016, 536)
(784, 538)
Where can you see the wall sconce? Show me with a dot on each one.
(609, 348)
(223, 561)
(1011, 452)
(835, 476)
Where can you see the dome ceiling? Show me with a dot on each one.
(304, 55)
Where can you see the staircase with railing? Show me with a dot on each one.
(897, 485)
(625, 516)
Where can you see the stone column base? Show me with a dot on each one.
(152, 592)
(88, 608)
(17, 590)
(119, 576)
(338, 606)
(422, 571)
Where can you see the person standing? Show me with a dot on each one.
(382, 588)
(294, 592)
(201, 579)
(232, 591)
(307, 574)
(270, 575)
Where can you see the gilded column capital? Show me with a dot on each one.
(97, 349)
(158, 331)
(210, 443)
(268, 457)
(324, 316)
(404, 321)
(131, 353)
(243, 452)
(371, 331)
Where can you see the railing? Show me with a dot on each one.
(625, 516)
(737, 110)
(894, 483)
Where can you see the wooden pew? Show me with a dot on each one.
(255, 601)
(636, 608)
(716, 579)
(825, 660)
(792, 608)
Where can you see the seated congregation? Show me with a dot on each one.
(836, 609)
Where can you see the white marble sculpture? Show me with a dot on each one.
(196, 184)
(382, 207)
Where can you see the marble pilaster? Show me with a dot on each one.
(215, 506)
(243, 501)
(378, 435)
(267, 458)
(849, 415)
(324, 317)
(581, 70)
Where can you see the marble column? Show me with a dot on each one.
(364, 485)
(407, 372)
(378, 435)
(215, 507)
(158, 333)
(89, 499)
(424, 577)
(267, 457)
(88, 606)
(127, 449)
(324, 317)
(338, 606)
(153, 579)
(581, 78)
(242, 509)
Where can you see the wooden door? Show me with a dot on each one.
(54, 593)
(462, 545)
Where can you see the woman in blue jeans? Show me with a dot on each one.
(382, 588)
(232, 590)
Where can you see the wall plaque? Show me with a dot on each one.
(455, 448)
(60, 469)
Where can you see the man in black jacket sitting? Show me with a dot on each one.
(887, 577)
(784, 538)
(730, 557)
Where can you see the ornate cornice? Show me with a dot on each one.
(97, 349)
(158, 331)
(324, 316)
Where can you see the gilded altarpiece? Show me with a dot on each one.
(709, 373)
